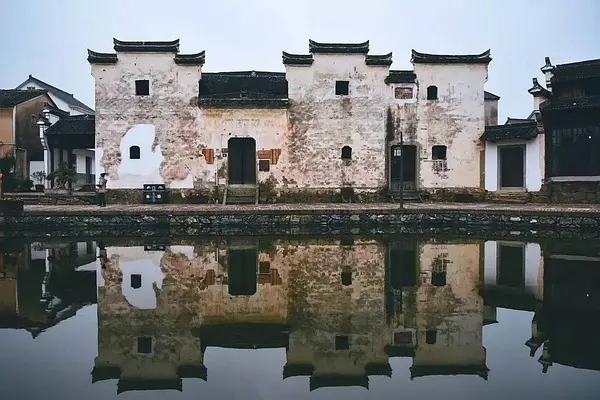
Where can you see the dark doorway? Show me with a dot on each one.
(403, 267)
(511, 265)
(512, 163)
(88, 170)
(403, 158)
(241, 155)
(241, 271)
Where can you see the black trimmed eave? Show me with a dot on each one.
(428, 58)
(379, 60)
(296, 59)
(315, 47)
(241, 102)
(570, 103)
(171, 46)
(401, 76)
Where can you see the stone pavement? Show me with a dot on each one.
(125, 209)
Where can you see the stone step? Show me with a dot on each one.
(241, 199)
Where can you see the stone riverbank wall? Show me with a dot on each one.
(149, 221)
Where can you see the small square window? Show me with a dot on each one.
(346, 276)
(264, 267)
(144, 345)
(439, 152)
(431, 336)
(342, 88)
(142, 87)
(403, 93)
(402, 337)
(264, 165)
(342, 342)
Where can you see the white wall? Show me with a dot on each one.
(533, 164)
(533, 263)
(80, 157)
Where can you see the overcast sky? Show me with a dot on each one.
(49, 38)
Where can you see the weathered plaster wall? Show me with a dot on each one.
(456, 120)
(268, 127)
(454, 310)
(321, 123)
(170, 108)
(534, 163)
(321, 307)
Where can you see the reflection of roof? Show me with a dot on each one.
(417, 371)
(244, 335)
(127, 385)
(321, 381)
(498, 296)
(290, 370)
(399, 351)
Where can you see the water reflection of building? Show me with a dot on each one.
(337, 315)
(160, 307)
(339, 307)
(560, 283)
(565, 323)
(42, 285)
(449, 318)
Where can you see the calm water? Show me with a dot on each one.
(299, 318)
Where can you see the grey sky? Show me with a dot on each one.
(48, 39)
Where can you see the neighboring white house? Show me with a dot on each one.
(58, 140)
(514, 156)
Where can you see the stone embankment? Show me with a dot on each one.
(285, 218)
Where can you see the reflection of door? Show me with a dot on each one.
(241, 271)
(241, 156)
(512, 163)
(405, 158)
(511, 265)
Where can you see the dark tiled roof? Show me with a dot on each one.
(384, 59)
(345, 48)
(510, 120)
(525, 130)
(147, 47)
(570, 103)
(401, 76)
(13, 97)
(317, 382)
(73, 125)
(61, 94)
(424, 58)
(191, 59)
(577, 70)
(296, 59)
(95, 57)
(126, 385)
(490, 96)
(243, 88)
(422, 370)
(298, 369)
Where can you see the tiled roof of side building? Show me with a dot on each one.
(73, 125)
(490, 96)
(524, 130)
(344, 48)
(577, 70)
(570, 103)
(61, 94)
(13, 97)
